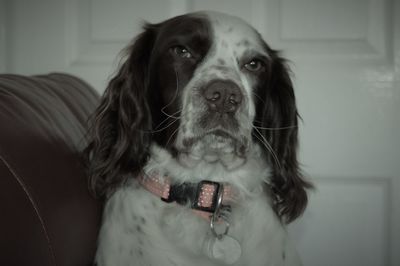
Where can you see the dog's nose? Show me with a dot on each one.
(223, 96)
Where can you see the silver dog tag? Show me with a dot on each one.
(219, 245)
(225, 249)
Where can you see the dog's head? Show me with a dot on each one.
(205, 87)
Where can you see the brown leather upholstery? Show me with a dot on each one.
(47, 216)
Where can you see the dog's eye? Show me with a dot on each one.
(182, 51)
(254, 65)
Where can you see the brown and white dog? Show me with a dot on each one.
(201, 114)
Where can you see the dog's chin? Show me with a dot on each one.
(217, 146)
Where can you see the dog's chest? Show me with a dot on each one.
(140, 229)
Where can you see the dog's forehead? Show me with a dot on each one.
(234, 33)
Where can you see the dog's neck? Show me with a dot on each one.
(248, 179)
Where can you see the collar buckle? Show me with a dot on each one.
(204, 196)
(205, 191)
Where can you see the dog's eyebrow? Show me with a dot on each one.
(181, 39)
(252, 53)
(184, 33)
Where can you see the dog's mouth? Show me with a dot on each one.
(215, 139)
(217, 145)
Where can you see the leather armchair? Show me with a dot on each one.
(47, 216)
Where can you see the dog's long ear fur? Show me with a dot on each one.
(277, 122)
(119, 136)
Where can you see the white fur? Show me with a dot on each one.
(139, 229)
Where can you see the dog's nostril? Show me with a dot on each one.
(223, 96)
(235, 99)
(216, 95)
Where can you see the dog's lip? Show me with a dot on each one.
(218, 134)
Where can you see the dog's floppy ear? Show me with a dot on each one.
(119, 136)
(276, 126)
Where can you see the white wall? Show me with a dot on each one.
(2, 36)
(346, 60)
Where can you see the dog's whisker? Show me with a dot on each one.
(268, 146)
(261, 99)
(170, 137)
(164, 128)
(171, 115)
(175, 96)
(274, 128)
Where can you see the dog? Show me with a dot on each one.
(193, 147)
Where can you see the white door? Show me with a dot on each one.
(345, 56)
